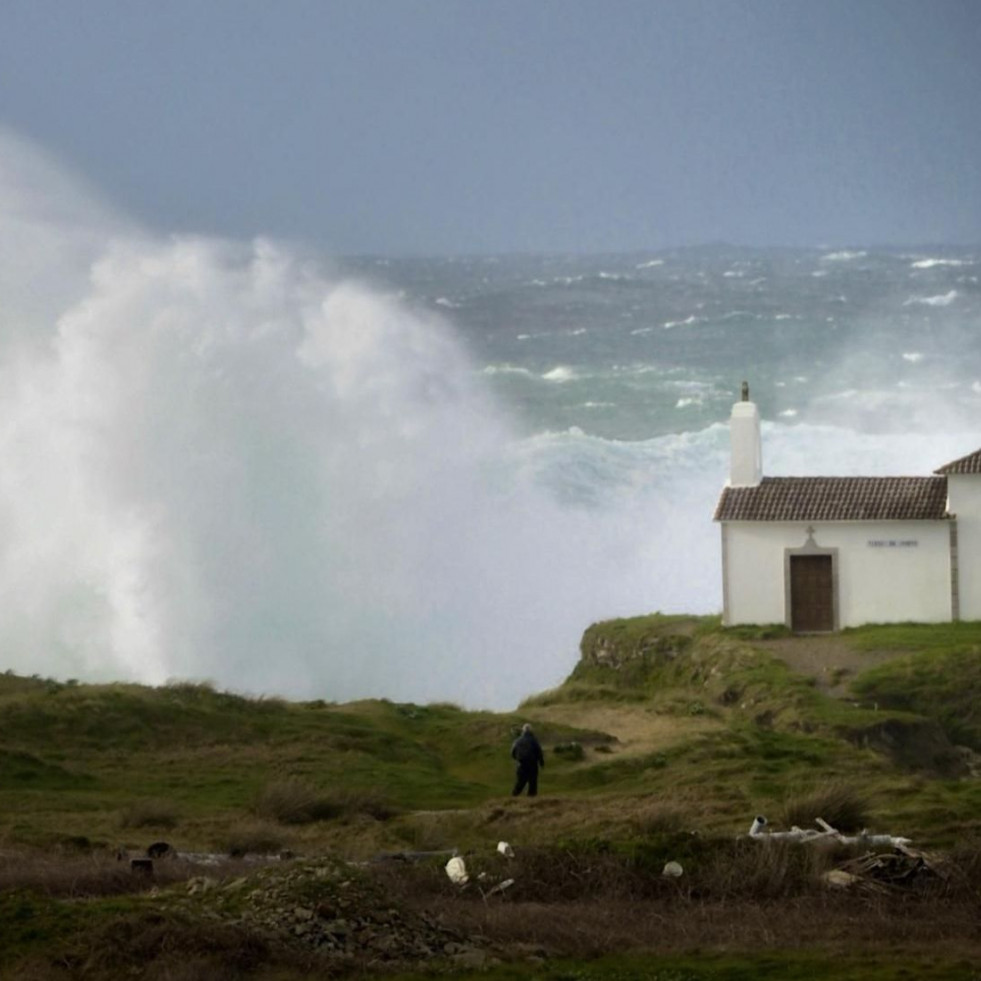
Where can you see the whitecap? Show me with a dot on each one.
(506, 369)
(913, 357)
(931, 263)
(688, 321)
(442, 301)
(560, 373)
(942, 300)
(843, 255)
(789, 413)
(649, 265)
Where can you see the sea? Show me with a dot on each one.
(287, 472)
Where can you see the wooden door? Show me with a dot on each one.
(811, 594)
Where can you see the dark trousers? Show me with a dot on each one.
(527, 774)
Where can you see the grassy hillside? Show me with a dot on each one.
(668, 708)
(670, 734)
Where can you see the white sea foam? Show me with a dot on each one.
(650, 265)
(932, 263)
(507, 369)
(913, 357)
(560, 373)
(442, 301)
(687, 322)
(218, 462)
(843, 255)
(942, 300)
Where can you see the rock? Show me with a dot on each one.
(470, 957)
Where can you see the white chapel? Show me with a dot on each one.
(822, 553)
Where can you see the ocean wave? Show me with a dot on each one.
(843, 255)
(560, 374)
(507, 369)
(942, 300)
(932, 263)
(687, 322)
(913, 357)
(653, 263)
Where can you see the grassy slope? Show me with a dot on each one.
(715, 725)
(681, 726)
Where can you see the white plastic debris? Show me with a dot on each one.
(505, 849)
(500, 887)
(759, 823)
(456, 869)
(672, 870)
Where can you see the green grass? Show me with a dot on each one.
(86, 767)
(81, 761)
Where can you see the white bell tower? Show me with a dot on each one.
(746, 462)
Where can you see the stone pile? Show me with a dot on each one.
(331, 908)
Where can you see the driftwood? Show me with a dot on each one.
(758, 832)
(876, 872)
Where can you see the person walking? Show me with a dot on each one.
(526, 750)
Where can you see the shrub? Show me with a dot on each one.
(661, 817)
(293, 802)
(253, 839)
(150, 814)
(840, 804)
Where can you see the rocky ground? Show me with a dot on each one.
(327, 907)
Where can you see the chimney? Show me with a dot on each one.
(746, 466)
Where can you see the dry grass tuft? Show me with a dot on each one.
(840, 804)
(253, 838)
(150, 814)
(295, 802)
(661, 817)
(80, 876)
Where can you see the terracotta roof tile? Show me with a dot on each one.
(966, 464)
(836, 499)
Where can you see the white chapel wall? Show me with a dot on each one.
(886, 571)
(964, 497)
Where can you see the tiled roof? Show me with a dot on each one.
(836, 499)
(966, 464)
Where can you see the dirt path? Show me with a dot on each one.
(830, 660)
(638, 729)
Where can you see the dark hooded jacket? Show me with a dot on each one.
(527, 750)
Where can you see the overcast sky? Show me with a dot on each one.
(462, 126)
